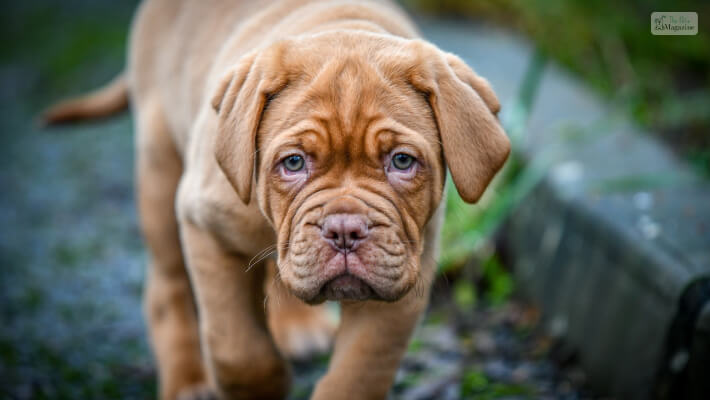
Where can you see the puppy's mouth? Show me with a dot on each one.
(346, 287)
(347, 260)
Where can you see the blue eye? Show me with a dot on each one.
(294, 163)
(402, 161)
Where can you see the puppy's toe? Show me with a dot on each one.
(198, 392)
(304, 332)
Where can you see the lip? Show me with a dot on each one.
(347, 287)
(343, 280)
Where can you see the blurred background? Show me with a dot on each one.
(583, 273)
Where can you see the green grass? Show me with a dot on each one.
(468, 227)
(476, 385)
(468, 230)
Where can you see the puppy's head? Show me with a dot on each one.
(342, 139)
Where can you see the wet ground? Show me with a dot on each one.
(73, 262)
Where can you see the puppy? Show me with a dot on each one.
(319, 130)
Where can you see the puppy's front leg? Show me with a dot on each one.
(241, 358)
(371, 341)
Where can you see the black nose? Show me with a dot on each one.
(344, 231)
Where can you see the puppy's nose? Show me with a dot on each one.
(344, 231)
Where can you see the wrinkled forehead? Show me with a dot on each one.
(348, 92)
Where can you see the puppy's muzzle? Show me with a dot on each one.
(345, 233)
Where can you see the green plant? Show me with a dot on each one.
(476, 385)
(468, 228)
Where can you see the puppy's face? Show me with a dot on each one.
(350, 170)
(349, 162)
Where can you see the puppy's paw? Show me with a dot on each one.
(302, 331)
(197, 392)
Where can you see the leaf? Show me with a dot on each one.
(464, 294)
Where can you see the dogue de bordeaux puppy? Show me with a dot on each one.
(320, 131)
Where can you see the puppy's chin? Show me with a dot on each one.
(347, 287)
(343, 287)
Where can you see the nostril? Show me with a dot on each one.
(344, 231)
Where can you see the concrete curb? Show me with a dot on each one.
(612, 244)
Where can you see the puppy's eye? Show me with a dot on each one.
(294, 163)
(402, 161)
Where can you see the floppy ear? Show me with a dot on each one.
(465, 107)
(239, 100)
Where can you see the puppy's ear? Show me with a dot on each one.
(239, 100)
(465, 107)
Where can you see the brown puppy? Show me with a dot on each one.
(319, 130)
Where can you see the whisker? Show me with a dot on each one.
(260, 259)
(274, 281)
(257, 255)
